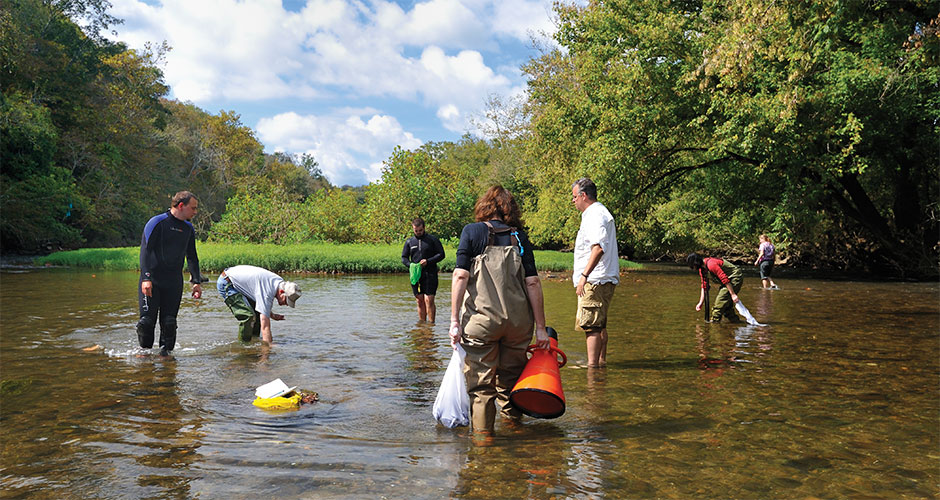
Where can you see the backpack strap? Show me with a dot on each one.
(513, 236)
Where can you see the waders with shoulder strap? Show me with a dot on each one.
(497, 328)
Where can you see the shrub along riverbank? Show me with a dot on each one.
(307, 257)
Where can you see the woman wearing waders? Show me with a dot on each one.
(496, 298)
(723, 273)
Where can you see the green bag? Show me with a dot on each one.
(415, 270)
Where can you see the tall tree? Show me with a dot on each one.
(36, 197)
(817, 120)
(85, 127)
(210, 155)
(101, 101)
(435, 182)
(505, 126)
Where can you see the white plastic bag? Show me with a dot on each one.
(452, 406)
(747, 314)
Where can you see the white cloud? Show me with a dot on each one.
(326, 14)
(521, 19)
(467, 72)
(446, 23)
(350, 150)
(237, 50)
(430, 57)
(452, 118)
(220, 48)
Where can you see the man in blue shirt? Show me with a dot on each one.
(167, 240)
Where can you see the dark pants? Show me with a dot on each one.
(426, 285)
(766, 267)
(163, 306)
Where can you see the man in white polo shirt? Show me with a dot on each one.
(596, 268)
(250, 293)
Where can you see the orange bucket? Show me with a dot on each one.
(538, 392)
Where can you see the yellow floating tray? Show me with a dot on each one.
(278, 403)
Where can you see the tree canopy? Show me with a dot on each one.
(706, 123)
(90, 146)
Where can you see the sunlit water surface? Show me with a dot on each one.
(836, 398)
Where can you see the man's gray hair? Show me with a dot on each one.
(587, 187)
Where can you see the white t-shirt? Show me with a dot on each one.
(597, 228)
(259, 285)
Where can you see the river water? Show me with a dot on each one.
(837, 397)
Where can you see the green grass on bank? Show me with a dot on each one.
(306, 257)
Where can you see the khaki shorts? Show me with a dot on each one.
(592, 307)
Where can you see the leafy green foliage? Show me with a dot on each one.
(84, 123)
(92, 145)
(306, 257)
(702, 123)
(36, 197)
(28, 137)
(706, 123)
(267, 212)
(257, 213)
(28, 222)
(331, 215)
(211, 156)
(435, 182)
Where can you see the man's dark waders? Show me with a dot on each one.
(162, 306)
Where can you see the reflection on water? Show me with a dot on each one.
(421, 347)
(835, 398)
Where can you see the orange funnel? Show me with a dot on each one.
(538, 392)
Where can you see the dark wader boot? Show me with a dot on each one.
(163, 305)
(249, 320)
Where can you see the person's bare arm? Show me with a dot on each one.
(593, 259)
(266, 329)
(458, 287)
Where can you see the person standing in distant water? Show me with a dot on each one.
(596, 268)
(421, 254)
(167, 239)
(765, 261)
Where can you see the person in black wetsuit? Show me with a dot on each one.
(167, 239)
(425, 250)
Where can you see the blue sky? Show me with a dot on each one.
(344, 80)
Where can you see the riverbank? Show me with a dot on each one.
(302, 258)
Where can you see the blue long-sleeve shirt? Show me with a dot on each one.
(165, 243)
